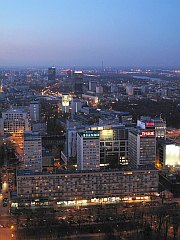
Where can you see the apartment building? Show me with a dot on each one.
(86, 185)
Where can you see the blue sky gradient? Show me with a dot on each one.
(85, 32)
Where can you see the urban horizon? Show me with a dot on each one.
(90, 120)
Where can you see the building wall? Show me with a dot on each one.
(32, 151)
(88, 151)
(142, 147)
(113, 141)
(35, 111)
(14, 121)
(87, 184)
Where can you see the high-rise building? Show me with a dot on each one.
(14, 121)
(2, 94)
(32, 151)
(113, 143)
(88, 150)
(35, 111)
(141, 147)
(52, 73)
(78, 82)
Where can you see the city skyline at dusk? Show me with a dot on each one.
(85, 33)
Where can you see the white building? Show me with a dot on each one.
(14, 121)
(88, 150)
(32, 151)
(169, 153)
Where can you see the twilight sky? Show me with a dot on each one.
(85, 32)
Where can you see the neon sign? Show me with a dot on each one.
(146, 134)
(150, 124)
(91, 135)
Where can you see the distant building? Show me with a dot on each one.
(77, 78)
(129, 90)
(99, 90)
(108, 120)
(66, 98)
(2, 94)
(116, 116)
(137, 91)
(91, 99)
(76, 105)
(14, 121)
(32, 151)
(40, 127)
(35, 111)
(52, 73)
(92, 85)
(47, 158)
(88, 150)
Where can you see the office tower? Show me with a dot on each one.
(88, 150)
(14, 121)
(142, 147)
(32, 151)
(52, 73)
(78, 82)
(113, 143)
(35, 111)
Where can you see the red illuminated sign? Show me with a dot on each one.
(146, 134)
(150, 124)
